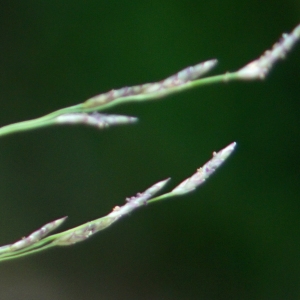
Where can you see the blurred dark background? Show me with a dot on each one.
(238, 237)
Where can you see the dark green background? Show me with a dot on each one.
(238, 237)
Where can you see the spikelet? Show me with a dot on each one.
(85, 231)
(94, 119)
(259, 68)
(33, 237)
(204, 172)
(159, 88)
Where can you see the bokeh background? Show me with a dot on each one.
(238, 237)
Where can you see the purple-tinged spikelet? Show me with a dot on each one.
(259, 68)
(204, 172)
(94, 119)
(85, 231)
(161, 87)
(33, 237)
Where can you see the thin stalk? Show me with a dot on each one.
(38, 122)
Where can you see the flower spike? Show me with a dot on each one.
(259, 68)
(204, 172)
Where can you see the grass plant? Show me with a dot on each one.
(90, 113)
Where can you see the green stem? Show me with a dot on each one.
(38, 122)
(25, 253)
(161, 197)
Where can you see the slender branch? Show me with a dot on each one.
(37, 241)
(181, 81)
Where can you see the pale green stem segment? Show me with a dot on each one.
(44, 121)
